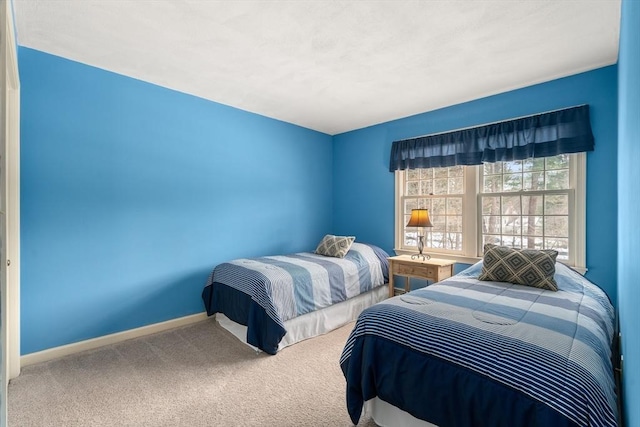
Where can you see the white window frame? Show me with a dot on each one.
(471, 220)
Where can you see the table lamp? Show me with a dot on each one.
(420, 219)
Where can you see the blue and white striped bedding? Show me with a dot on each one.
(288, 286)
(465, 352)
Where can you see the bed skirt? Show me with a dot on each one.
(316, 323)
(387, 415)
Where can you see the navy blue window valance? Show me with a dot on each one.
(541, 135)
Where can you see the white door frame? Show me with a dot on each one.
(11, 300)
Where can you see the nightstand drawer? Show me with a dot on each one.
(424, 271)
(432, 269)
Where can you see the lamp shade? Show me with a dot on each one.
(419, 218)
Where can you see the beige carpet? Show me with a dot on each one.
(198, 375)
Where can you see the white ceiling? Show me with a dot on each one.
(329, 65)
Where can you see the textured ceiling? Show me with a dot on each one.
(330, 65)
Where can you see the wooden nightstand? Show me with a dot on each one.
(434, 269)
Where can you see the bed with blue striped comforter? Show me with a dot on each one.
(465, 352)
(263, 293)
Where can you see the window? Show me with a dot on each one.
(533, 203)
(441, 191)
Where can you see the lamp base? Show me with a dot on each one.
(420, 247)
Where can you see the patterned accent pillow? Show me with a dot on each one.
(335, 246)
(527, 267)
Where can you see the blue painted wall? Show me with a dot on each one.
(629, 205)
(131, 193)
(364, 188)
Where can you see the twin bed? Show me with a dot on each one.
(272, 302)
(461, 352)
(470, 352)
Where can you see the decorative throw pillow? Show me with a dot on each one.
(335, 246)
(529, 267)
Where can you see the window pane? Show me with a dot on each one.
(454, 223)
(438, 207)
(456, 171)
(510, 167)
(556, 205)
(560, 245)
(492, 168)
(454, 241)
(511, 205)
(426, 188)
(533, 164)
(533, 181)
(408, 205)
(441, 186)
(512, 241)
(512, 182)
(440, 172)
(425, 173)
(491, 205)
(439, 223)
(411, 238)
(436, 240)
(456, 185)
(532, 225)
(530, 242)
(492, 184)
(511, 225)
(493, 239)
(412, 174)
(532, 205)
(413, 188)
(491, 224)
(556, 226)
(454, 205)
(560, 161)
(557, 179)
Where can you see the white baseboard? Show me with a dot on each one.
(65, 350)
